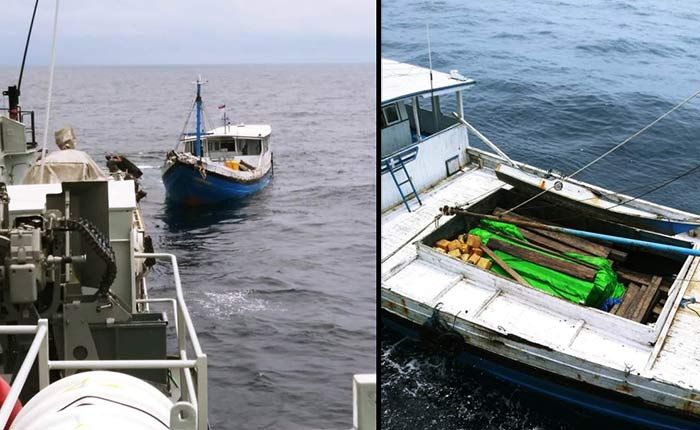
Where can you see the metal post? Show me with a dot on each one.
(485, 140)
(202, 402)
(416, 118)
(460, 105)
(43, 358)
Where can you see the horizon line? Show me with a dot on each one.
(252, 63)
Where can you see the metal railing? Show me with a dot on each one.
(189, 413)
(31, 130)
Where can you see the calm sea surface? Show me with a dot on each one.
(557, 84)
(282, 286)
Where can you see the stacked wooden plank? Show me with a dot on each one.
(641, 297)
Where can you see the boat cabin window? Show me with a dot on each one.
(228, 145)
(390, 115)
(249, 146)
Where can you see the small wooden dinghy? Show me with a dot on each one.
(598, 202)
(223, 164)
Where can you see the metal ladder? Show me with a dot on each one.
(395, 165)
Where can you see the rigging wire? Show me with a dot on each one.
(682, 175)
(50, 91)
(611, 150)
(26, 47)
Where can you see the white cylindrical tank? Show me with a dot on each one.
(96, 400)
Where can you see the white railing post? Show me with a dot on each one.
(364, 396)
(202, 388)
(22, 374)
(43, 358)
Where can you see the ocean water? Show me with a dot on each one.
(558, 83)
(281, 286)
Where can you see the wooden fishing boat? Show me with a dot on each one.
(599, 202)
(626, 355)
(226, 163)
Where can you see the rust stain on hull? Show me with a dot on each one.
(402, 309)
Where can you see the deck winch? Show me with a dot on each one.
(60, 264)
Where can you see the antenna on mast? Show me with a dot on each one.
(430, 65)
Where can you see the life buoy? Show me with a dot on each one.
(4, 391)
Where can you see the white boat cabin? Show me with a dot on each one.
(243, 143)
(418, 128)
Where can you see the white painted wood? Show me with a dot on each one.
(623, 380)
(429, 166)
(464, 298)
(401, 80)
(490, 299)
(594, 317)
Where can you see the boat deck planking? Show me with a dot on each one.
(398, 225)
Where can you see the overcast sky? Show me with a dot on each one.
(191, 32)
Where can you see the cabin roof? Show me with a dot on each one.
(238, 130)
(401, 81)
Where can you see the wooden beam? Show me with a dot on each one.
(618, 255)
(636, 277)
(636, 308)
(576, 270)
(583, 245)
(546, 242)
(628, 299)
(647, 300)
(496, 259)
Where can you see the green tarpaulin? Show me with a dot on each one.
(603, 292)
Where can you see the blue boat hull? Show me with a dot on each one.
(185, 185)
(609, 406)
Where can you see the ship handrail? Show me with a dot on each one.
(38, 348)
(195, 394)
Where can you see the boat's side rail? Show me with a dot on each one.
(189, 413)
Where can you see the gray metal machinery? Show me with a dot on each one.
(67, 257)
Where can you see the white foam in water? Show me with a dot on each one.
(233, 303)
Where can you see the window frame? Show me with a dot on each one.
(388, 123)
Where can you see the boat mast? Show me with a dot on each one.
(198, 131)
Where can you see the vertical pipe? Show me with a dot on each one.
(436, 113)
(460, 105)
(414, 102)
